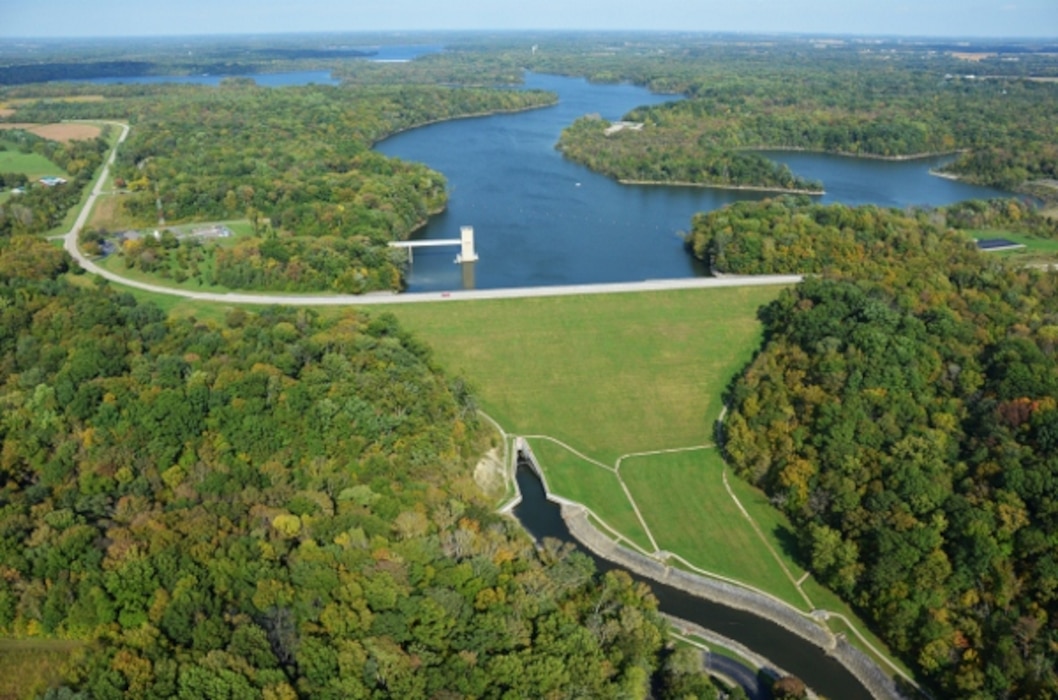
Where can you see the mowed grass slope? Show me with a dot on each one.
(608, 374)
(584, 482)
(690, 513)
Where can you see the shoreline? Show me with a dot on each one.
(847, 154)
(946, 176)
(720, 186)
(472, 115)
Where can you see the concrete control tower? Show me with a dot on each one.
(466, 241)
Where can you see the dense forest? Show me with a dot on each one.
(850, 99)
(39, 209)
(297, 162)
(277, 506)
(791, 234)
(904, 413)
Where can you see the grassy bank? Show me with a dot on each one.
(607, 374)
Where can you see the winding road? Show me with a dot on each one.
(70, 245)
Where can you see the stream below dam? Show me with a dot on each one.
(821, 672)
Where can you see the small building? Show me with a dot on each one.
(52, 181)
(995, 245)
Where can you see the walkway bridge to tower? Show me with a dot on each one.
(465, 243)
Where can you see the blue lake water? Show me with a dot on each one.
(542, 220)
(382, 54)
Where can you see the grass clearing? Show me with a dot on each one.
(683, 499)
(110, 215)
(608, 374)
(28, 667)
(33, 165)
(572, 477)
(1036, 248)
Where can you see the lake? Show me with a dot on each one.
(542, 220)
(382, 54)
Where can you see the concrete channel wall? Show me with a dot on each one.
(877, 682)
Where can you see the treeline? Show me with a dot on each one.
(840, 100)
(653, 155)
(278, 506)
(904, 413)
(38, 208)
(295, 161)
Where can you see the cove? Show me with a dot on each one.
(542, 220)
(822, 673)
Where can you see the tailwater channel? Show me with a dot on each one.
(822, 673)
(540, 219)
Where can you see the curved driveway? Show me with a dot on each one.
(70, 244)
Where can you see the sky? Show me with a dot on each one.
(941, 18)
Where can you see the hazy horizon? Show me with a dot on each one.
(950, 19)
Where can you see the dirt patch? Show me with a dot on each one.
(5, 113)
(108, 214)
(489, 473)
(67, 132)
(58, 132)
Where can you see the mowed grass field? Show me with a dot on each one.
(619, 374)
(1035, 246)
(615, 375)
(608, 374)
(688, 510)
(584, 482)
(33, 165)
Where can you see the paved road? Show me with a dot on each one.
(736, 673)
(70, 244)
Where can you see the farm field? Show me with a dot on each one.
(58, 132)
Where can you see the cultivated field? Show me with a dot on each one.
(58, 132)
